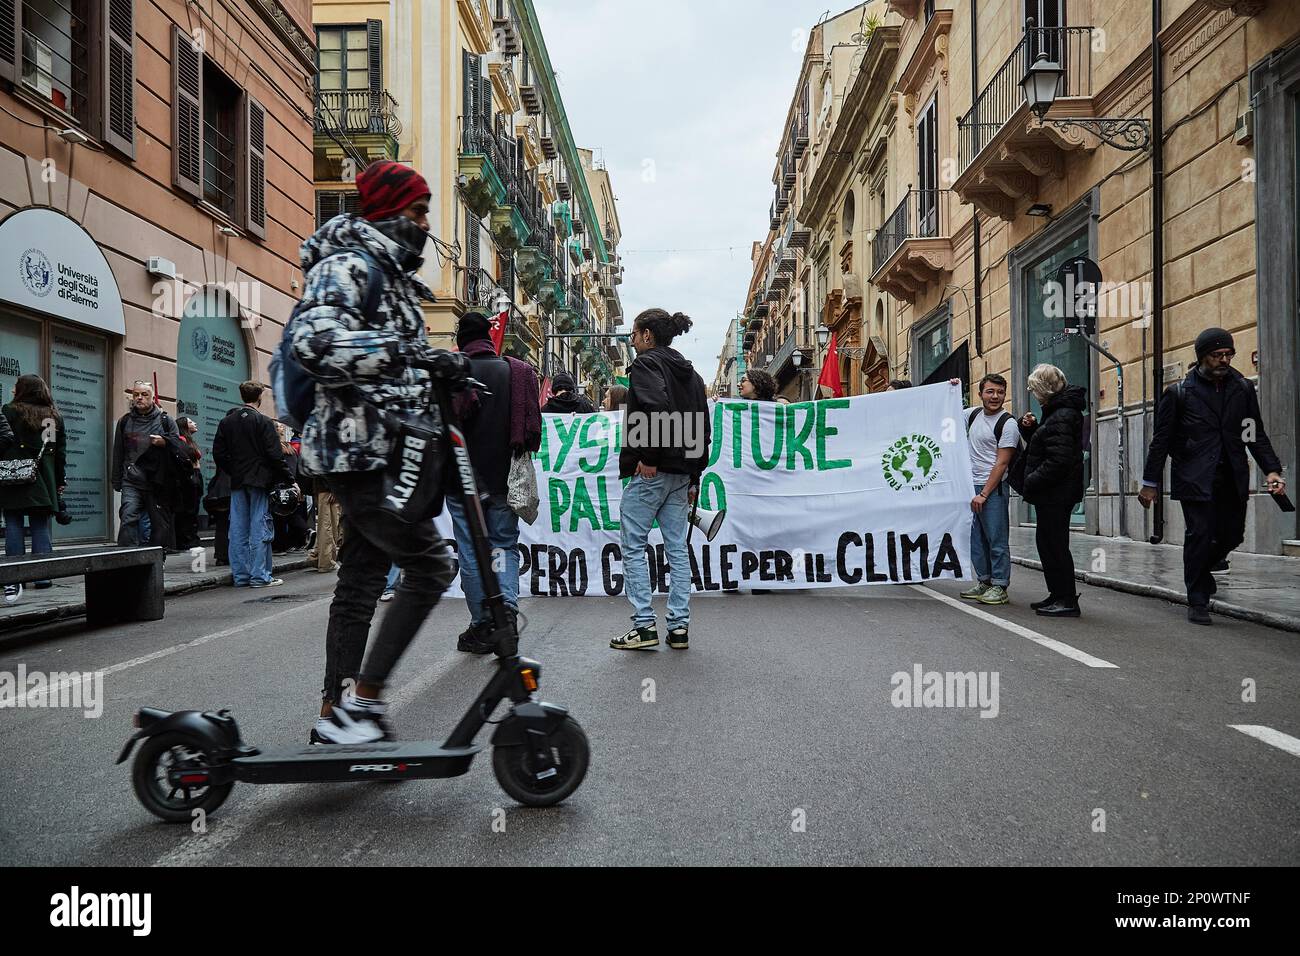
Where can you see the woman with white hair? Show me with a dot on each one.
(1050, 477)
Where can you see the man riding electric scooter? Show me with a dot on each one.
(344, 332)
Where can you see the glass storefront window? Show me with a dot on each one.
(1045, 342)
(932, 345)
(78, 380)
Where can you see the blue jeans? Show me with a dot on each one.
(664, 497)
(393, 574)
(503, 534)
(15, 546)
(990, 551)
(251, 533)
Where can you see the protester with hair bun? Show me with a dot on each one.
(665, 449)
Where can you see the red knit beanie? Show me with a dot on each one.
(386, 188)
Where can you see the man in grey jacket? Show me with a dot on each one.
(143, 425)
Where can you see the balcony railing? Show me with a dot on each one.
(923, 214)
(478, 140)
(1070, 47)
(357, 111)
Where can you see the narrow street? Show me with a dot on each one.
(772, 740)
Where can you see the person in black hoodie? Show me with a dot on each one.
(1049, 474)
(666, 438)
(565, 398)
(1206, 423)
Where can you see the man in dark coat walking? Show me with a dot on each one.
(1205, 423)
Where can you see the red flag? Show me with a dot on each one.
(546, 391)
(498, 329)
(830, 377)
(156, 400)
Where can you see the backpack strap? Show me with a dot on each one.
(970, 419)
(1001, 424)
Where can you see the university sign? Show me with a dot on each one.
(49, 264)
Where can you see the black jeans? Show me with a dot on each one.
(1052, 535)
(1214, 529)
(372, 541)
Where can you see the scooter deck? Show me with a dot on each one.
(414, 760)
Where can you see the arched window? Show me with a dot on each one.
(847, 218)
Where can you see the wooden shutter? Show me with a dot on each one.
(469, 88)
(375, 57)
(327, 206)
(187, 114)
(484, 98)
(471, 259)
(119, 75)
(254, 167)
(11, 22)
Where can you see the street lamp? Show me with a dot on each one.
(1042, 82)
(823, 336)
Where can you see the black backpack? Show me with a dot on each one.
(998, 427)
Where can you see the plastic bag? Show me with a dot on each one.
(521, 488)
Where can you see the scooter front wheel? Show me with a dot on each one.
(169, 756)
(518, 771)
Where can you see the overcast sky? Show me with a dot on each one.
(685, 101)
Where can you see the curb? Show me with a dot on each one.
(1282, 622)
(203, 582)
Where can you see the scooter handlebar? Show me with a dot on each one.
(449, 369)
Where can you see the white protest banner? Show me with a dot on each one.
(866, 490)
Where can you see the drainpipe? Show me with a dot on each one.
(975, 214)
(1157, 240)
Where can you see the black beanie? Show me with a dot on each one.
(563, 382)
(472, 326)
(1211, 340)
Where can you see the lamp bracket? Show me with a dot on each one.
(1129, 133)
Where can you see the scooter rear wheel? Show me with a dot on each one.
(175, 804)
(515, 771)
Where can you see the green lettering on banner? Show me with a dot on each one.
(825, 431)
(796, 443)
(586, 442)
(755, 439)
(557, 493)
(583, 509)
(607, 520)
(713, 492)
(543, 453)
(737, 434)
(567, 437)
(715, 448)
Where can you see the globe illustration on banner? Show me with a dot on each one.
(911, 462)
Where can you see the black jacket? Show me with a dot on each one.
(663, 381)
(1207, 426)
(1053, 455)
(567, 404)
(247, 448)
(487, 425)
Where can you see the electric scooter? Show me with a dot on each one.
(190, 760)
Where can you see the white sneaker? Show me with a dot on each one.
(273, 583)
(352, 721)
(12, 593)
(387, 595)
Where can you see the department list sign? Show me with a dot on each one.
(211, 362)
(78, 377)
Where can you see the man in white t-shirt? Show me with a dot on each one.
(994, 439)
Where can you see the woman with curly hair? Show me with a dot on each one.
(758, 386)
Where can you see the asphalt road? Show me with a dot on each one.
(773, 740)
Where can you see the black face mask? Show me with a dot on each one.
(410, 238)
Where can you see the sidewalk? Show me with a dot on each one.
(1262, 588)
(68, 596)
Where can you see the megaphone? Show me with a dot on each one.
(710, 522)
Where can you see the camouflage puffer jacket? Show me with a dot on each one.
(336, 344)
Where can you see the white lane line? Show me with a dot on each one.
(1270, 736)
(34, 696)
(1073, 653)
(198, 850)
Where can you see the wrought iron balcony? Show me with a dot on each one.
(774, 217)
(484, 169)
(787, 170)
(1003, 148)
(356, 112)
(797, 235)
(913, 247)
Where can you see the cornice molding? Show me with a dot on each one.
(287, 29)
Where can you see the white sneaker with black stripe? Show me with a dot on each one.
(352, 720)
